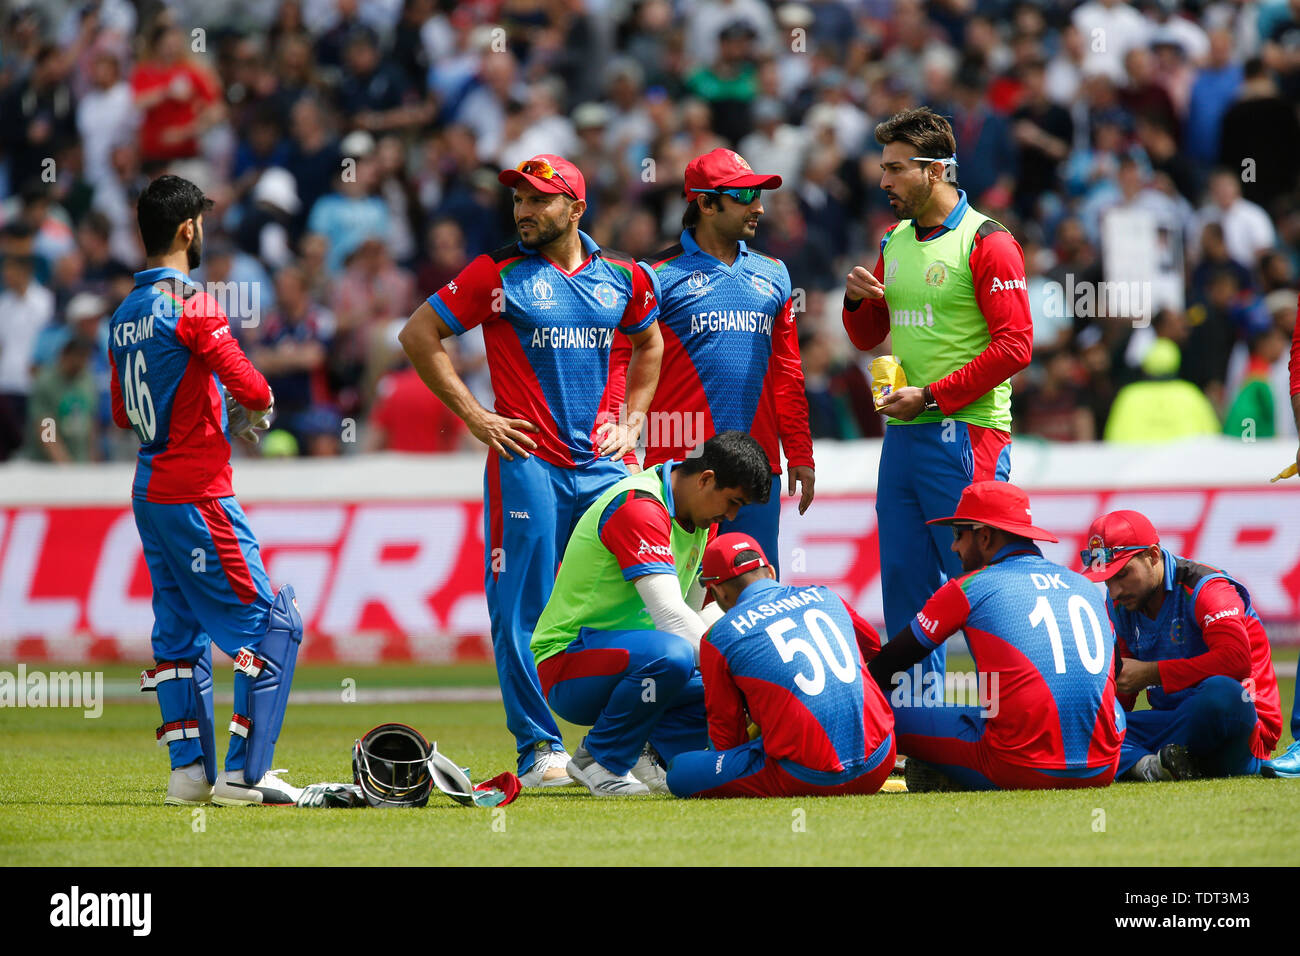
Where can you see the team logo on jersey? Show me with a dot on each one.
(699, 282)
(937, 274)
(542, 290)
(693, 559)
(763, 285)
(891, 271)
(606, 295)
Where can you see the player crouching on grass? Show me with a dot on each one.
(782, 657)
(1038, 631)
(617, 646)
(171, 350)
(1188, 634)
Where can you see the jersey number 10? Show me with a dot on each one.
(136, 397)
(1094, 657)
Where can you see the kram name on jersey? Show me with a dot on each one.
(731, 320)
(761, 612)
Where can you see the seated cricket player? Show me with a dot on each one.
(618, 642)
(1188, 635)
(171, 351)
(789, 659)
(1042, 646)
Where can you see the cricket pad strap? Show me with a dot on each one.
(184, 690)
(263, 677)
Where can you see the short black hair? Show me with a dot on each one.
(166, 203)
(737, 460)
(692, 216)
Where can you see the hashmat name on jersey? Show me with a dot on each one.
(772, 608)
(560, 337)
(731, 320)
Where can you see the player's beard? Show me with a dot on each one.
(194, 252)
(547, 232)
(909, 205)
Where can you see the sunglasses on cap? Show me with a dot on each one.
(742, 196)
(542, 170)
(1100, 557)
(957, 529)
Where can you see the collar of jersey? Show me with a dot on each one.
(1171, 567)
(954, 218)
(693, 248)
(589, 248)
(1013, 550)
(754, 589)
(665, 469)
(150, 276)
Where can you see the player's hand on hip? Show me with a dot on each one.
(863, 284)
(504, 435)
(806, 478)
(618, 438)
(904, 404)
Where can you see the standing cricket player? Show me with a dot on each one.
(551, 306)
(731, 349)
(1288, 763)
(171, 350)
(949, 286)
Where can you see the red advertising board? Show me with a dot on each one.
(404, 580)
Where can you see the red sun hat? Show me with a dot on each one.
(1118, 529)
(548, 174)
(723, 169)
(998, 504)
(729, 556)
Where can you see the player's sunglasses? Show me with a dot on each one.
(957, 529)
(542, 170)
(742, 196)
(1100, 557)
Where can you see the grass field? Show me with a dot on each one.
(82, 792)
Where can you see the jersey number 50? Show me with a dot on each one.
(816, 622)
(136, 397)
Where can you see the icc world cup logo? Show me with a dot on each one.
(542, 290)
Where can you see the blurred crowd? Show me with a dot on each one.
(351, 148)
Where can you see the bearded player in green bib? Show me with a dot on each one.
(619, 640)
(950, 288)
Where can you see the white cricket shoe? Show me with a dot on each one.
(232, 791)
(601, 782)
(188, 787)
(548, 768)
(650, 771)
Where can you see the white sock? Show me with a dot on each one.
(194, 771)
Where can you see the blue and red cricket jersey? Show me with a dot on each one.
(1043, 630)
(792, 658)
(731, 355)
(549, 337)
(1206, 627)
(170, 350)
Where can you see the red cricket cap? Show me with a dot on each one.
(721, 168)
(998, 504)
(729, 556)
(565, 177)
(1119, 529)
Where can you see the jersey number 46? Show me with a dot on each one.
(136, 397)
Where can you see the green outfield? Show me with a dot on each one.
(81, 792)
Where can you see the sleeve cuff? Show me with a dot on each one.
(641, 326)
(920, 635)
(641, 570)
(445, 314)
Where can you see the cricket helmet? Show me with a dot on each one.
(391, 766)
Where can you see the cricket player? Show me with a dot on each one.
(789, 659)
(1288, 763)
(1188, 635)
(949, 287)
(618, 644)
(551, 306)
(1042, 646)
(171, 350)
(731, 349)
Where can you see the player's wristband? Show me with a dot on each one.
(928, 396)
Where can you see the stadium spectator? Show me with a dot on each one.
(1163, 407)
(290, 346)
(1213, 92)
(313, 156)
(177, 100)
(407, 417)
(62, 415)
(1121, 29)
(351, 214)
(26, 307)
(1251, 412)
(39, 117)
(106, 115)
(1043, 132)
(1260, 138)
(1054, 406)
